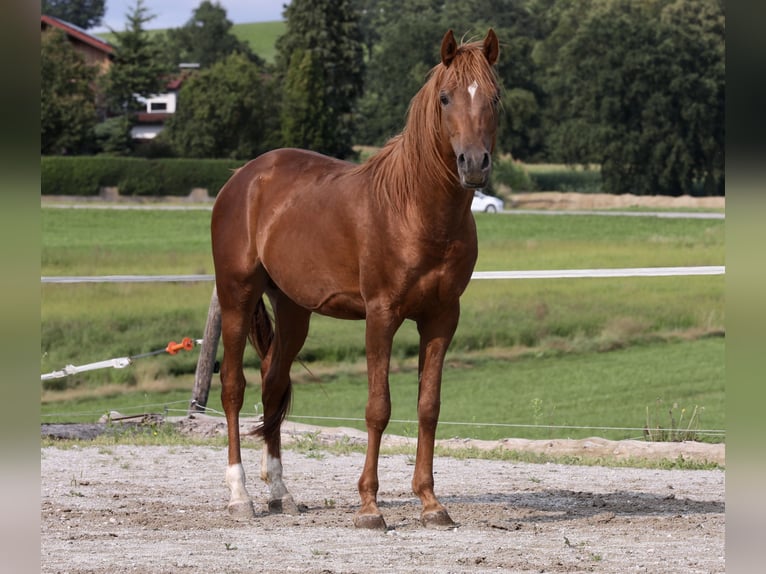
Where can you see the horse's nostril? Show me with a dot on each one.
(485, 161)
(461, 159)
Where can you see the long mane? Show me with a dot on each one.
(413, 159)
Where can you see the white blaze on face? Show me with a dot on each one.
(472, 89)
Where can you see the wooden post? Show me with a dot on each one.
(206, 362)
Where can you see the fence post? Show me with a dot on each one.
(206, 361)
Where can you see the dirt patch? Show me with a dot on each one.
(161, 509)
(585, 201)
(588, 449)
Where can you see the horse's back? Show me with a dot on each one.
(280, 172)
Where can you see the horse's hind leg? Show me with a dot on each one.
(237, 301)
(292, 325)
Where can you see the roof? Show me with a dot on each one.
(78, 33)
(175, 83)
(177, 80)
(152, 117)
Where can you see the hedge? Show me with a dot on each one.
(507, 172)
(520, 177)
(86, 175)
(582, 181)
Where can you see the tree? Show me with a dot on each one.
(649, 108)
(67, 98)
(83, 13)
(519, 26)
(306, 122)
(135, 71)
(226, 111)
(205, 39)
(324, 38)
(408, 36)
(697, 30)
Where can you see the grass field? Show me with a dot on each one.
(82, 242)
(486, 395)
(261, 36)
(578, 352)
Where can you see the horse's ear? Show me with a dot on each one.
(491, 47)
(449, 48)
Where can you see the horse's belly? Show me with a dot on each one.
(322, 295)
(341, 306)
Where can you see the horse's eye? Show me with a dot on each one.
(444, 98)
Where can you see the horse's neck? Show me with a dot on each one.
(411, 180)
(435, 210)
(436, 197)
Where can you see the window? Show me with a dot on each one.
(158, 106)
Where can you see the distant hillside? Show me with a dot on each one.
(261, 36)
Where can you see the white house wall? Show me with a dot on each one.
(145, 132)
(168, 99)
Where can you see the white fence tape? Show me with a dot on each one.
(118, 363)
(532, 274)
(129, 279)
(592, 273)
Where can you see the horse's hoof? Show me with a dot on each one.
(284, 505)
(242, 510)
(438, 519)
(370, 521)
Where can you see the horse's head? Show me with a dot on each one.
(468, 95)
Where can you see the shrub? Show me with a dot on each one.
(519, 177)
(568, 179)
(506, 171)
(74, 175)
(86, 175)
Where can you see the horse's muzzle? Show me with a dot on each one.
(473, 168)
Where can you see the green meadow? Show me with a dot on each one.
(261, 36)
(531, 358)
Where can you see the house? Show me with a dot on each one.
(97, 52)
(160, 107)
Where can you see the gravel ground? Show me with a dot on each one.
(162, 509)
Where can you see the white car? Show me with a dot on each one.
(487, 203)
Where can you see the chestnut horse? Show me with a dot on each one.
(388, 240)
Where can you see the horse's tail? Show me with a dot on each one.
(261, 336)
(261, 332)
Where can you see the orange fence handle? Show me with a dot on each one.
(186, 345)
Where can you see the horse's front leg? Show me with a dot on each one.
(435, 336)
(379, 337)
